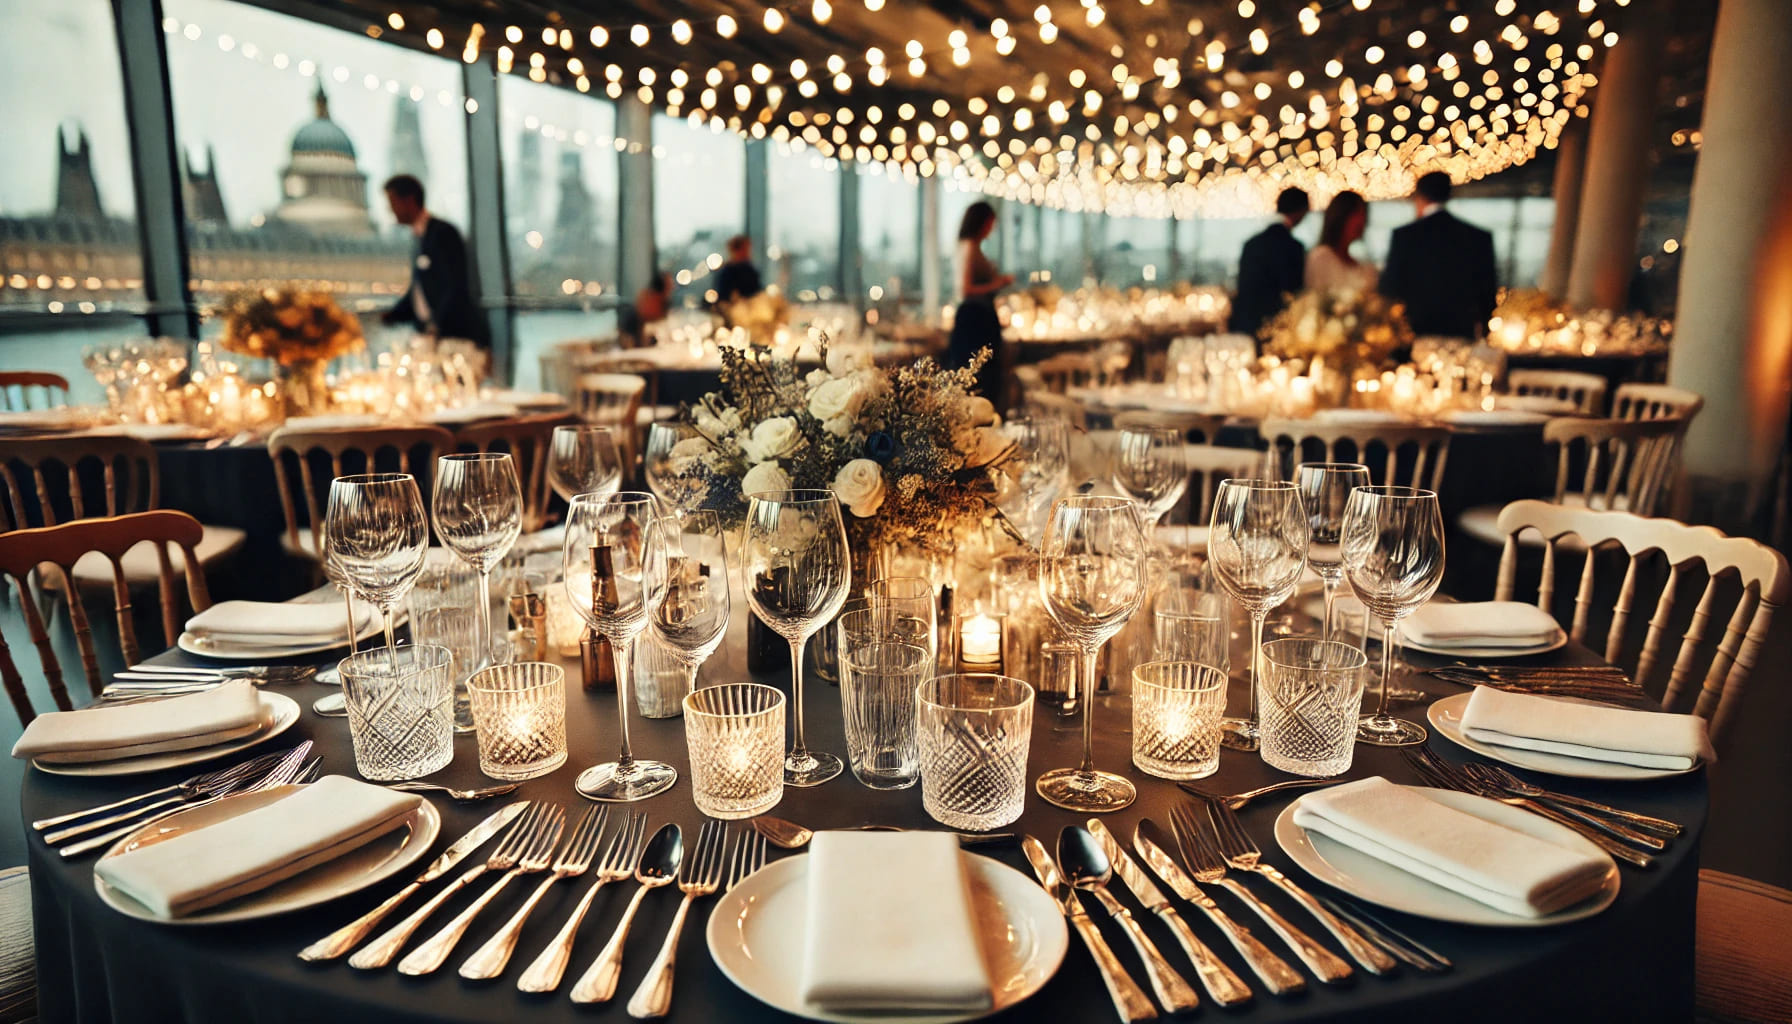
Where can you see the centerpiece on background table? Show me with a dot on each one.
(762, 317)
(301, 330)
(1340, 335)
(1529, 321)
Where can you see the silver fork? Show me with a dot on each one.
(748, 857)
(1241, 851)
(1209, 868)
(619, 863)
(1496, 776)
(184, 792)
(489, 960)
(700, 875)
(522, 834)
(534, 858)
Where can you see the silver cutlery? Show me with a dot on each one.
(789, 835)
(345, 938)
(1152, 846)
(482, 793)
(619, 860)
(748, 857)
(1204, 859)
(1087, 868)
(658, 867)
(1130, 1001)
(330, 705)
(271, 675)
(535, 858)
(1241, 851)
(523, 833)
(699, 876)
(490, 959)
(189, 789)
(1497, 776)
(1408, 949)
(1237, 801)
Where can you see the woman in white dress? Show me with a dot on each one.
(1330, 267)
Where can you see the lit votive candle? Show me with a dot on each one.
(519, 712)
(1176, 708)
(980, 643)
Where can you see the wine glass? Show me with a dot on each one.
(1257, 543)
(583, 459)
(333, 572)
(798, 572)
(1324, 491)
(1042, 445)
(377, 533)
(1393, 550)
(1092, 578)
(478, 508)
(615, 567)
(657, 464)
(1151, 468)
(693, 618)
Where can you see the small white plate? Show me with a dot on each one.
(1385, 885)
(756, 937)
(206, 647)
(1495, 418)
(353, 871)
(1558, 641)
(278, 713)
(1446, 717)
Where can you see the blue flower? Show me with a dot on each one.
(880, 447)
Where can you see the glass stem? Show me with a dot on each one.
(348, 604)
(690, 677)
(391, 640)
(1091, 662)
(624, 651)
(1331, 599)
(1257, 620)
(1387, 666)
(482, 637)
(798, 748)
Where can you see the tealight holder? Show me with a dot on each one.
(1176, 709)
(735, 735)
(519, 713)
(979, 641)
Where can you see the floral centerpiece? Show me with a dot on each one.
(1529, 321)
(1339, 334)
(760, 316)
(300, 329)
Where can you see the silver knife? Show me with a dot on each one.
(1275, 973)
(1130, 1001)
(348, 936)
(1221, 983)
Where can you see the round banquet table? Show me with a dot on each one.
(1633, 962)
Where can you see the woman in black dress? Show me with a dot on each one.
(975, 326)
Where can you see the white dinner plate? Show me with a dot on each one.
(1495, 417)
(278, 713)
(205, 647)
(1381, 883)
(1556, 642)
(1446, 717)
(353, 871)
(756, 937)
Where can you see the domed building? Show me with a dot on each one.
(325, 191)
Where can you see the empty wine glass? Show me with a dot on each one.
(694, 615)
(478, 508)
(615, 567)
(1092, 578)
(1393, 550)
(583, 459)
(657, 463)
(378, 535)
(1324, 491)
(798, 573)
(1257, 543)
(1042, 448)
(1151, 468)
(333, 572)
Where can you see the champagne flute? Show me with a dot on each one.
(1257, 543)
(615, 567)
(583, 459)
(1092, 578)
(693, 618)
(1324, 491)
(798, 573)
(657, 464)
(1151, 468)
(377, 532)
(1393, 550)
(478, 508)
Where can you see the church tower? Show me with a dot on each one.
(77, 193)
(406, 154)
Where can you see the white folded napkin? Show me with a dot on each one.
(1646, 739)
(1480, 624)
(1490, 863)
(471, 412)
(252, 851)
(890, 925)
(280, 622)
(196, 720)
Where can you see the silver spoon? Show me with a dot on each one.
(482, 793)
(1087, 868)
(330, 706)
(659, 866)
(791, 836)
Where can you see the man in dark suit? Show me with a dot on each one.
(1440, 267)
(440, 298)
(738, 278)
(1272, 267)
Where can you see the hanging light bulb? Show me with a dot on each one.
(725, 27)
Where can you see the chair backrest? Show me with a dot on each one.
(1625, 465)
(527, 439)
(1760, 571)
(613, 400)
(1067, 369)
(1655, 402)
(1208, 465)
(1199, 427)
(1058, 407)
(1585, 390)
(22, 551)
(18, 388)
(1376, 445)
(295, 448)
(76, 477)
(646, 369)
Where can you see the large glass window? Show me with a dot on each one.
(68, 225)
(287, 129)
(699, 201)
(1135, 250)
(953, 202)
(804, 190)
(889, 232)
(560, 204)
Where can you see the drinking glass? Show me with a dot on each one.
(735, 734)
(1256, 543)
(1312, 693)
(583, 459)
(377, 533)
(1324, 492)
(615, 568)
(521, 712)
(1192, 627)
(443, 613)
(877, 695)
(657, 465)
(974, 731)
(1176, 709)
(798, 572)
(1151, 468)
(907, 607)
(1042, 447)
(692, 620)
(478, 508)
(1092, 578)
(1393, 549)
(400, 710)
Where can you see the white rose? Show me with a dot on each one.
(989, 444)
(688, 452)
(763, 478)
(772, 439)
(836, 403)
(816, 378)
(843, 360)
(717, 426)
(860, 487)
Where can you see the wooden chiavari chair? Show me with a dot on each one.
(614, 400)
(19, 387)
(1655, 402)
(1376, 445)
(349, 450)
(1585, 390)
(526, 438)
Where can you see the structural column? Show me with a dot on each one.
(1617, 165)
(485, 173)
(929, 248)
(848, 258)
(1733, 340)
(634, 194)
(161, 216)
(1571, 164)
(758, 200)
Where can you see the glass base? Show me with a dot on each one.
(1238, 734)
(1086, 792)
(1386, 731)
(810, 769)
(330, 706)
(614, 783)
(328, 677)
